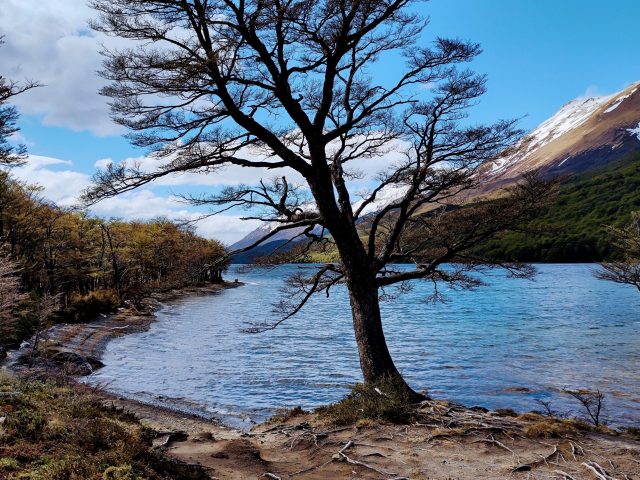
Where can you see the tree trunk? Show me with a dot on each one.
(375, 360)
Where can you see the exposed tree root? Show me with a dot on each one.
(352, 461)
(598, 471)
(439, 422)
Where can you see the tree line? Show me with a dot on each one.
(89, 265)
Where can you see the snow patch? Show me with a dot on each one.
(384, 197)
(569, 117)
(635, 131)
(617, 103)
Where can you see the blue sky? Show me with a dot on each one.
(538, 55)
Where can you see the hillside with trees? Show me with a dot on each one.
(578, 226)
(575, 227)
(86, 265)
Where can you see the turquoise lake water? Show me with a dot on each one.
(504, 345)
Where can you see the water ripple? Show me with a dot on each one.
(483, 347)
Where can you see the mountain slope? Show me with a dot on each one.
(576, 221)
(584, 134)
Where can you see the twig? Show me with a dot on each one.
(317, 467)
(272, 476)
(119, 328)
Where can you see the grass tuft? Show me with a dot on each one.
(285, 414)
(386, 401)
(550, 427)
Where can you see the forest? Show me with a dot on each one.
(75, 266)
(574, 227)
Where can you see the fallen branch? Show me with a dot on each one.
(120, 328)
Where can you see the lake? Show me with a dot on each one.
(504, 345)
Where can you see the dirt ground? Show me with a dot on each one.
(451, 443)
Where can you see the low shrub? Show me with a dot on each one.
(555, 428)
(388, 400)
(57, 430)
(634, 432)
(87, 307)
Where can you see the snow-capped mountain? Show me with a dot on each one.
(382, 199)
(585, 133)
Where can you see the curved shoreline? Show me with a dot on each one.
(455, 441)
(89, 339)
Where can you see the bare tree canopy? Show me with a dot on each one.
(10, 154)
(627, 240)
(289, 85)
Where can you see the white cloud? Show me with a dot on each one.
(145, 205)
(62, 185)
(367, 168)
(49, 41)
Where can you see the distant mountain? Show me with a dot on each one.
(269, 246)
(264, 249)
(585, 134)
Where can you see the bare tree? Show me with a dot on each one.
(592, 401)
(287, 86)
(10, 298)
(627, 270)
(10, 153)
(47, 304)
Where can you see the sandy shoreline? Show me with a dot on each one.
(452, 442)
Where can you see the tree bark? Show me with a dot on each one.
(375, 360)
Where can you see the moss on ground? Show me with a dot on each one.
(54, 429)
